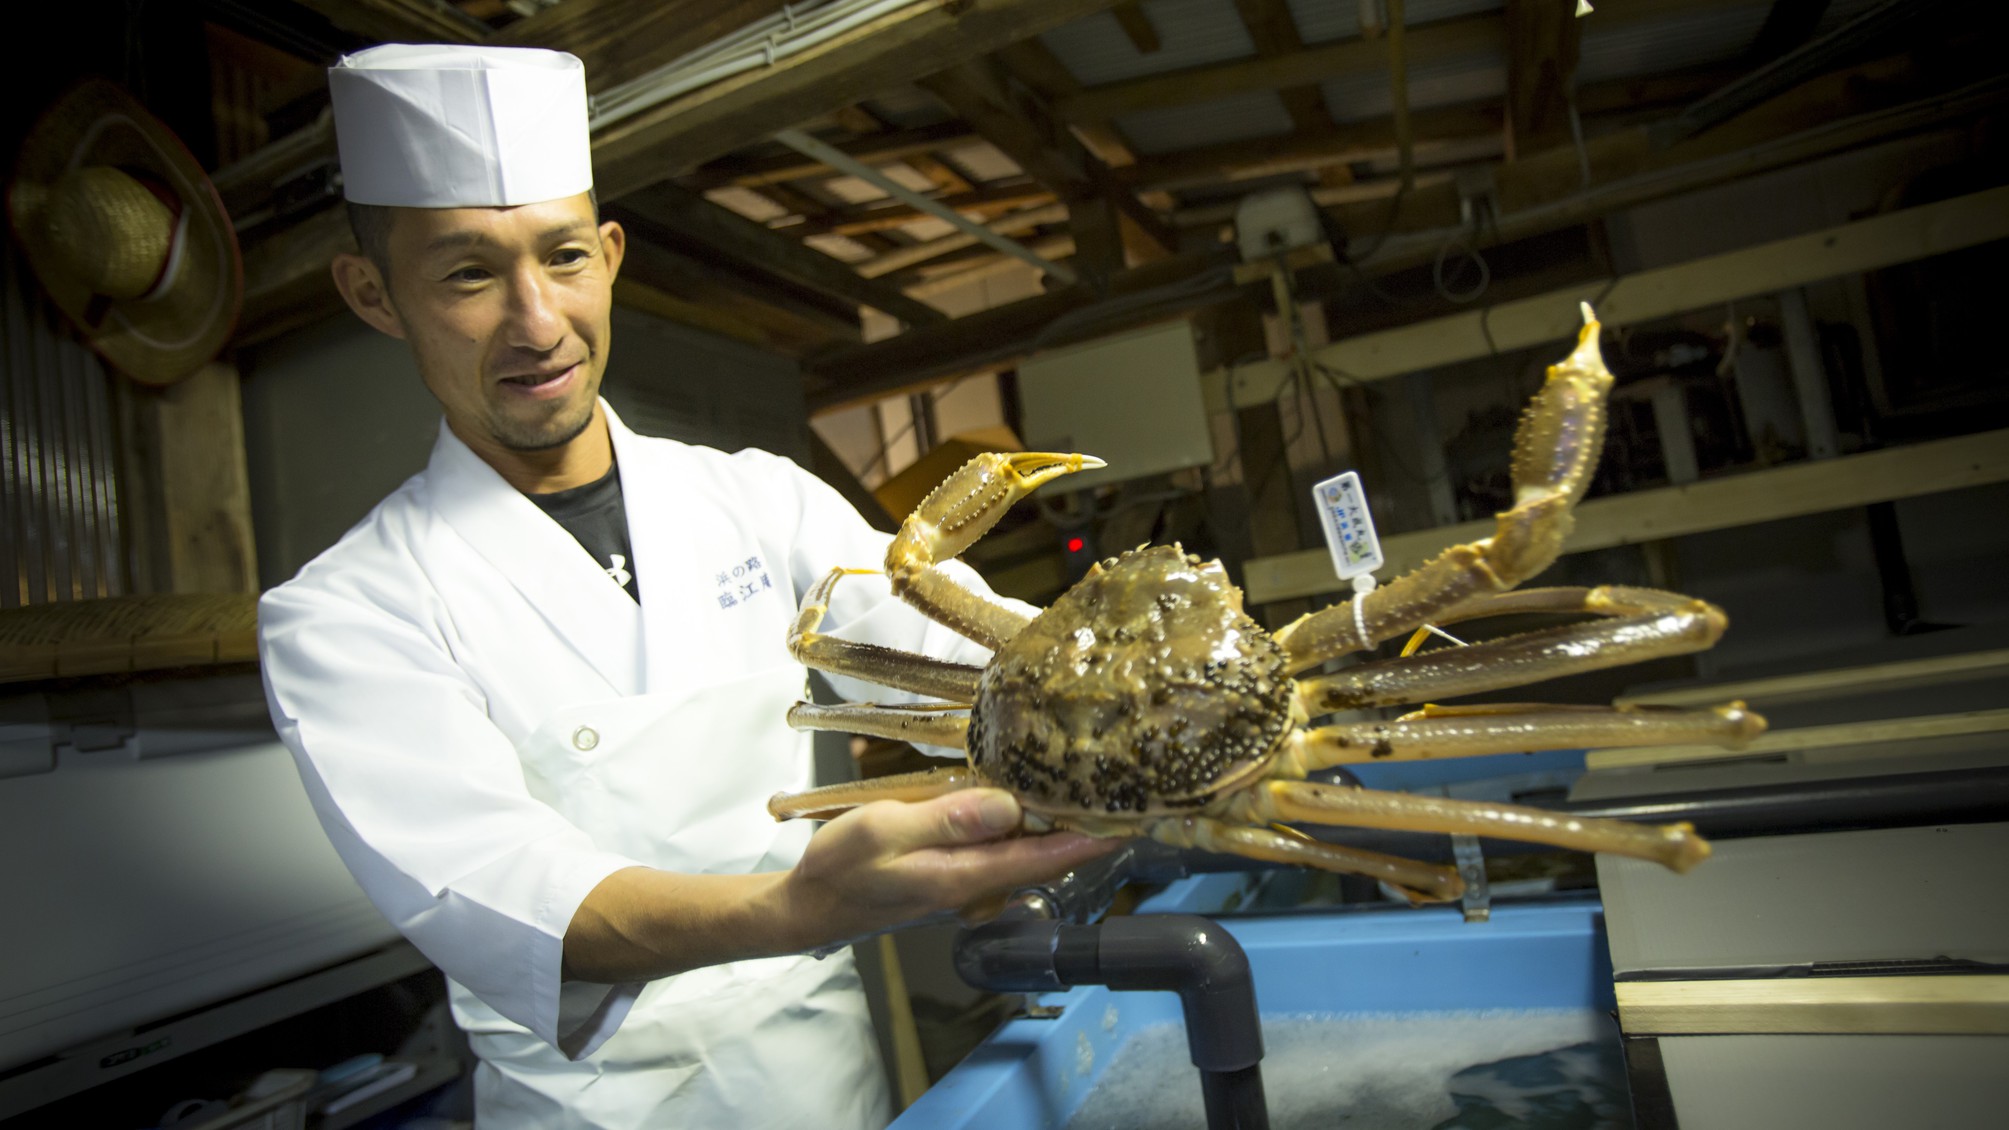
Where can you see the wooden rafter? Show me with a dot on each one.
(1535, 193)
(1361, 141)
(1543, 41)
(903, 258)
(884, 215)
(401, 21)
(788, 165)
(946, 180)
(812, 215)
(675, 286)
(994, 337)
(1257, 157)
(1540, 193)
(1034, 65)
(1274, 32)
(621, 40)
(900, 47)
(1472, 35)
(1137, 26)
(979, 94)
(1032, 62)
(286, 273)
(1482, 35)
(685, 212)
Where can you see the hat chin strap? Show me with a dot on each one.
(177, 245)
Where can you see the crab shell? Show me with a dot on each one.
(1144, 688)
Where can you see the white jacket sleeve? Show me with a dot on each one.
(829, 532)
(425, 801)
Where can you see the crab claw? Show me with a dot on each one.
(969, 502)
(1556, 449)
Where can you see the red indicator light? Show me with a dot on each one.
(1074, 545)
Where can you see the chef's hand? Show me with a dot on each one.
(891, 863)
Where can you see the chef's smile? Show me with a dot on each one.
(544, 384)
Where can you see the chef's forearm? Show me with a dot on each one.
(871, 869)
(640, 924)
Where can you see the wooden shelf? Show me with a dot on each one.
(1809, 487)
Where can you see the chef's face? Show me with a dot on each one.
(507, 310)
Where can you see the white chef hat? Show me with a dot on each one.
(443, 126)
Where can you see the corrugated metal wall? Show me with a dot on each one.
(59, 522)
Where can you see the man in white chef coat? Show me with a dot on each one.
(537, 695)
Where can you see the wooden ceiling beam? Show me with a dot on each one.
(980, 94)
(1445, 39)
(1543, 43)
(882, 216)
(620, 40)
(811, 216)
(994, 337)
(1274, 32)
(693, 128)
(1538, 194)
(740, 319)
(687, 213)
(946, 180)
(1471, 35)
(873, 149)
(903, 258)
(1137, 27)
(657, 258)
(1358, 141)
(401, 21)
(929, 282)
(1829, 114)
(1033, 63)
(898, 48)
(681, 289)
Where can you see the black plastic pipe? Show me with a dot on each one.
(1892, 800)
(1180, 953)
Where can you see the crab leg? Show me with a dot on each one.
(921, 723)
(1470, 731)
(1424, 882)
(1644, 624)
(829, 800)
(1555, 450)
(1675, 846)
(952, 517)
(888, 667)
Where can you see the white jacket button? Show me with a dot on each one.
(585, 738)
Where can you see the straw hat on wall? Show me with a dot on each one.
(126, 234)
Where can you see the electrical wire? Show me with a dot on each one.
(1335, 376)
(1355, 258)
(1444, 290)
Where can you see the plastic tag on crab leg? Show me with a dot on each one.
(1349, 526)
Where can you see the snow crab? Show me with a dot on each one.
(1146, 702)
